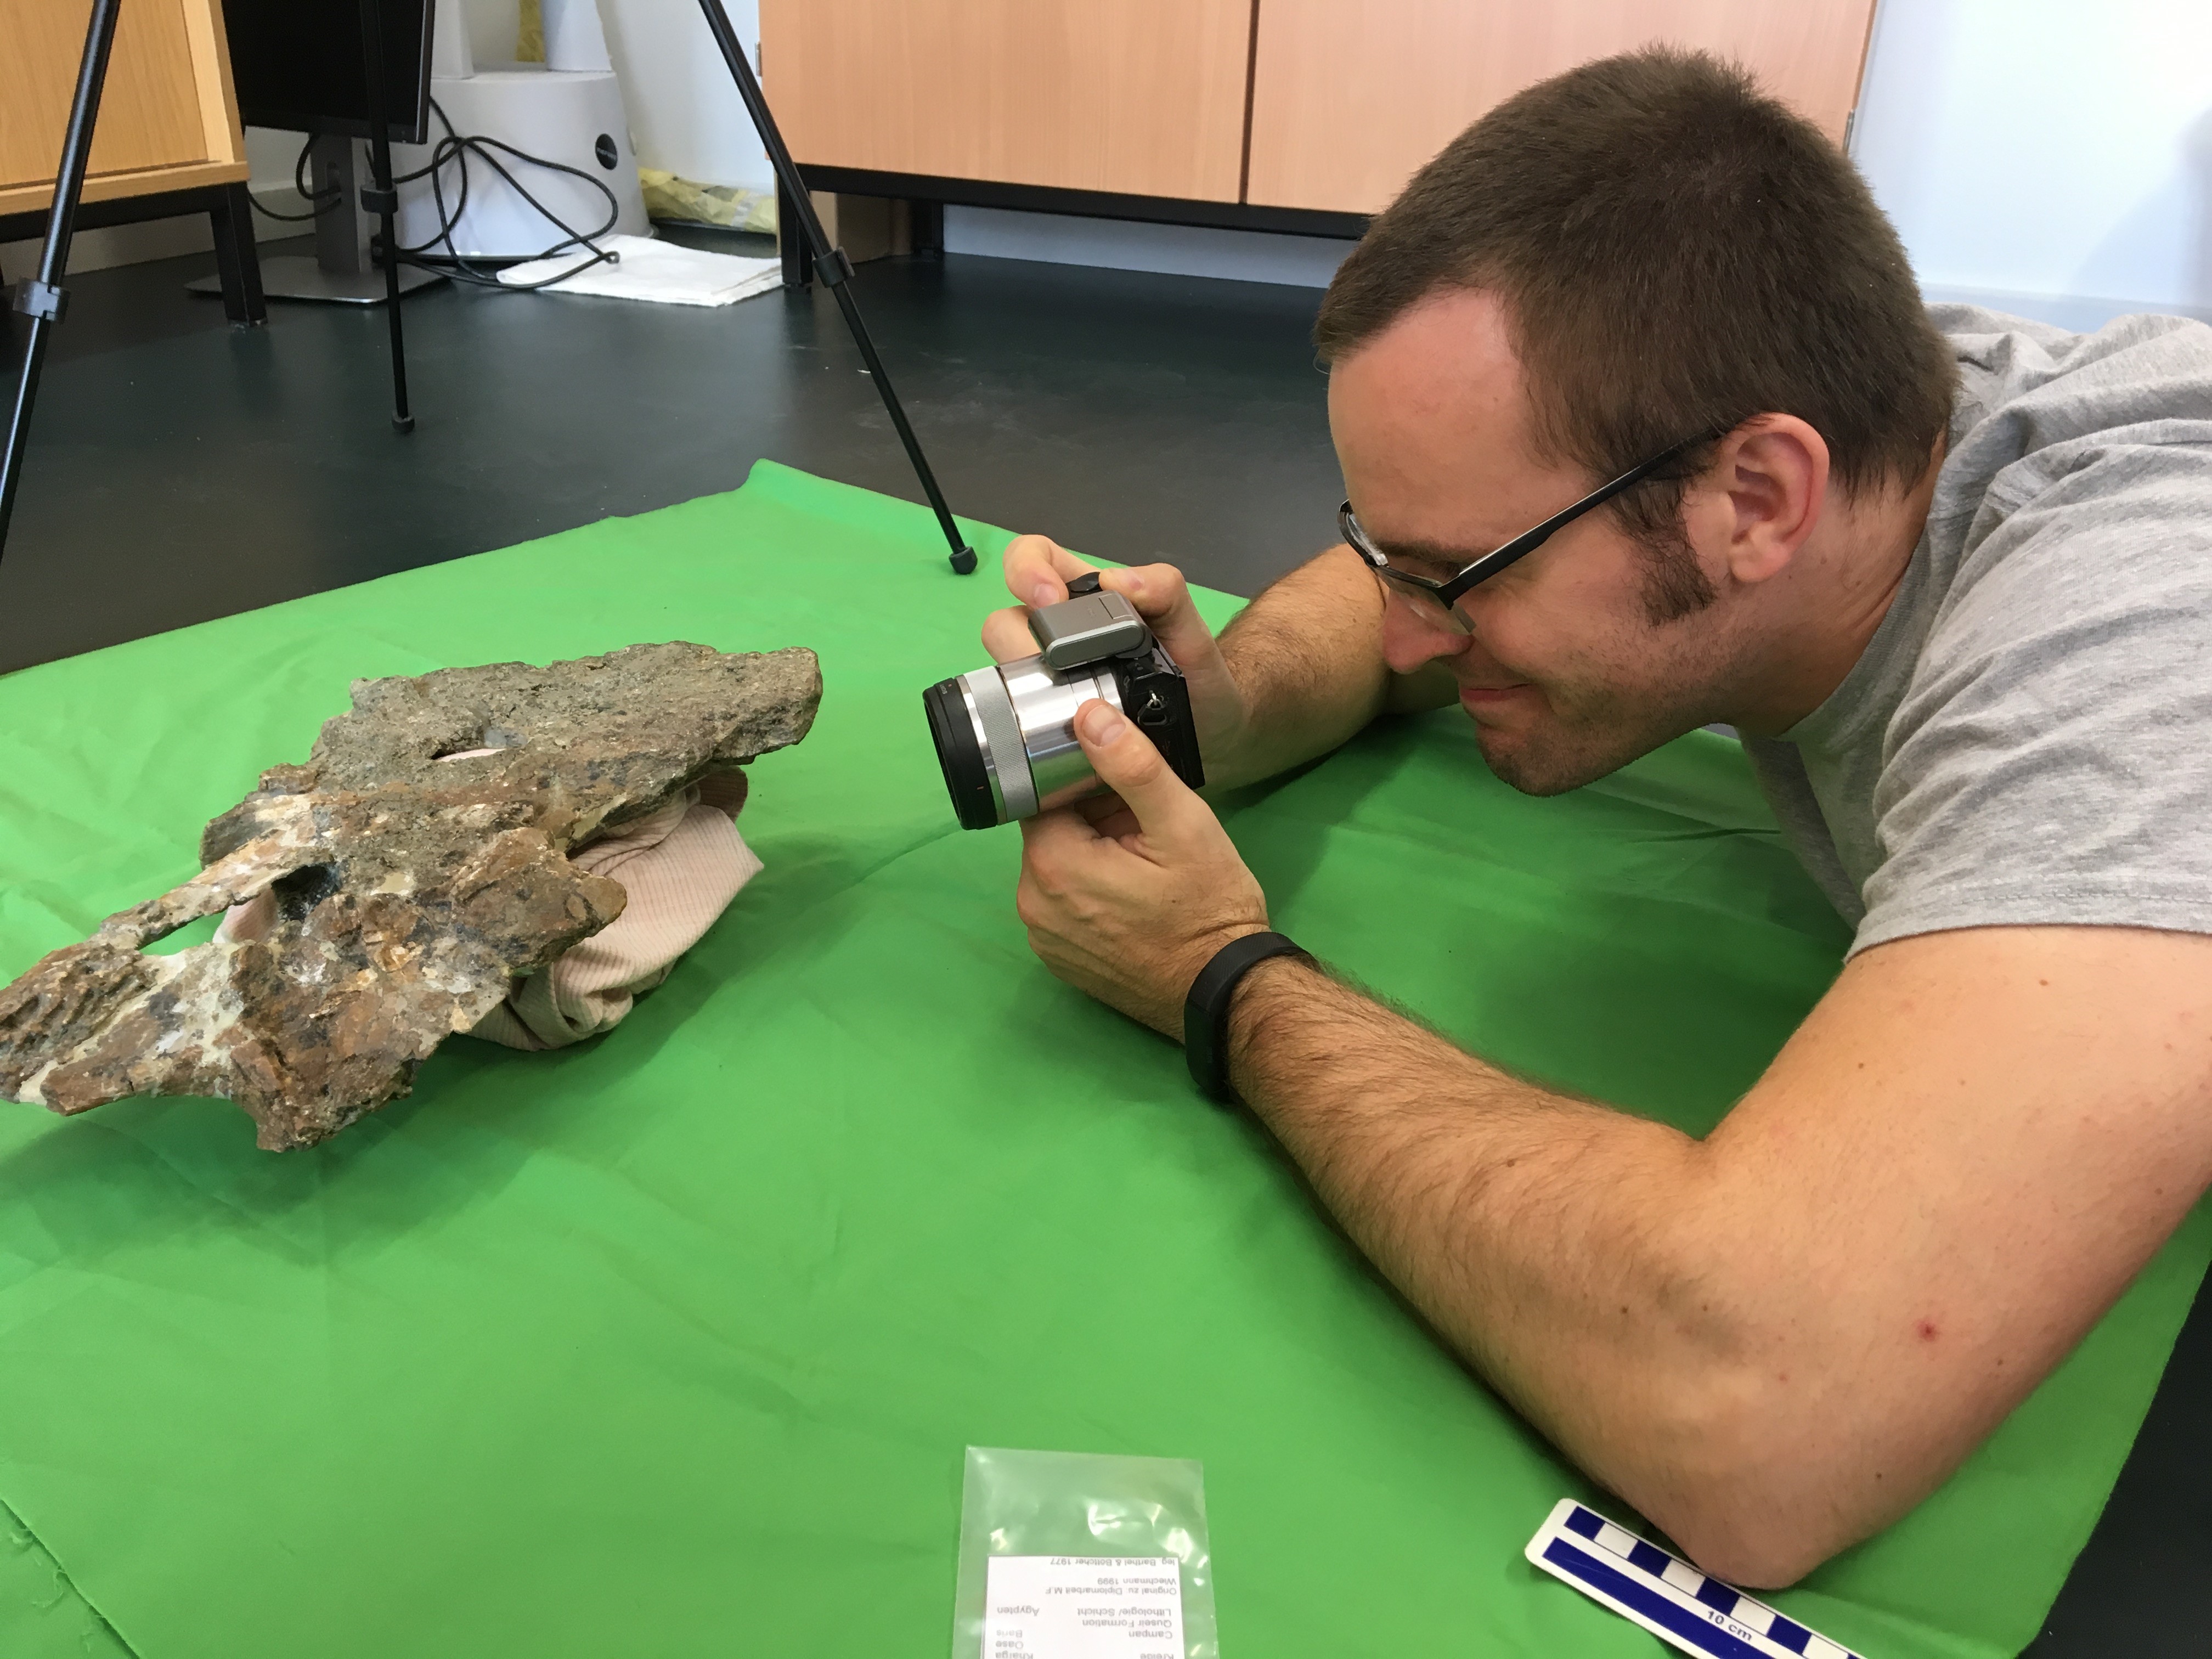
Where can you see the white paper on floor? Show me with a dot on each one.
(655, 270)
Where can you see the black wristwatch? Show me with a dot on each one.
(1206, 1010)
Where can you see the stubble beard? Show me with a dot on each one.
(1585, 733)
(1572, 753)
(1576, 746)
(1599, 740)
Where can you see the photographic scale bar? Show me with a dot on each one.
(1668, 1597)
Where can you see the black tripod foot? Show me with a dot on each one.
(963, 562)
(403, 422)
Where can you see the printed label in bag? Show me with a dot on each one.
(1083, 1607)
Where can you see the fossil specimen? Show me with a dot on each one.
(414, 877)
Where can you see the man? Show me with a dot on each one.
(1957, 597)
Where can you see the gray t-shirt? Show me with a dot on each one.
(2028, 736)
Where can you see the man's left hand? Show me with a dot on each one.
(1127, 896)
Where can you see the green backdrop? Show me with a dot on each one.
(670, 1345)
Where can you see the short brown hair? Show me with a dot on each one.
(1676, 253)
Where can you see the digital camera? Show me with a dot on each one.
(1005, 736)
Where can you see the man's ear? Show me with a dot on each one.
(1767, 489)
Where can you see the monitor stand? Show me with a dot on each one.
(342, 271)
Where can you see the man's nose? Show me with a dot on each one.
(1411, 641)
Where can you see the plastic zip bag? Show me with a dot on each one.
(1096, 1557)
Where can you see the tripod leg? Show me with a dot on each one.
(382, 199)
(41, 298)
(804, 226)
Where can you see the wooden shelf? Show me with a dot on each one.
(1310, 107)
(168, 119)
(1350, 97)
(1138, 97)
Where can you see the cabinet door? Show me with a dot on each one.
(166, 119)
(1144, 97)
(1350, 97)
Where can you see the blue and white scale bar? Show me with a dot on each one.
(1668, 1597)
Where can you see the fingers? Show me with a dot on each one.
(1108, 815)
(1158, 594)
(1007, 635)
(1166, 809)
(1038, 570)
(1055, 833)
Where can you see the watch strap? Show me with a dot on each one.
(1206, 1010)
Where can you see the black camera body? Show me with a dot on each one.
(1005, 736)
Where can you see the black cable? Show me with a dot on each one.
(452, 148)
(328, 198)
(483, 146)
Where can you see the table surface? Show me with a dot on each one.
(675, 1340)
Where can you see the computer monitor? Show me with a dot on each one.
(297, 64)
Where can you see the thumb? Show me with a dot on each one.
(1167, 809)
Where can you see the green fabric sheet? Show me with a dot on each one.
(671, 1344)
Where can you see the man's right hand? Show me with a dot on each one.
(1038, 571)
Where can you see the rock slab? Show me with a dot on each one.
(419, 859)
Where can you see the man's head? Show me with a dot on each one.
(1639, 252)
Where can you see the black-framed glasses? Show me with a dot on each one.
(1438, 598)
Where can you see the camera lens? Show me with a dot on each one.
(1005, 735)
(1005, 739)
(959, 756)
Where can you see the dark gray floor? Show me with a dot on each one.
(181, 470)
(2143, 1587)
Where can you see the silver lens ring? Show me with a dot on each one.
(1044, 702)
(998, 735)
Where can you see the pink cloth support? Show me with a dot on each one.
(681, 865)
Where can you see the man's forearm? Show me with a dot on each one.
(1773, 1340)
(1551, 1241)
(1307, 658)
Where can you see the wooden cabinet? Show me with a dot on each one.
(1137, 97)
(1282, 114)
(167, 118)
(1350, 97)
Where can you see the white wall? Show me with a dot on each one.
(2046, 148)
(684, 112)
(274, 157)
